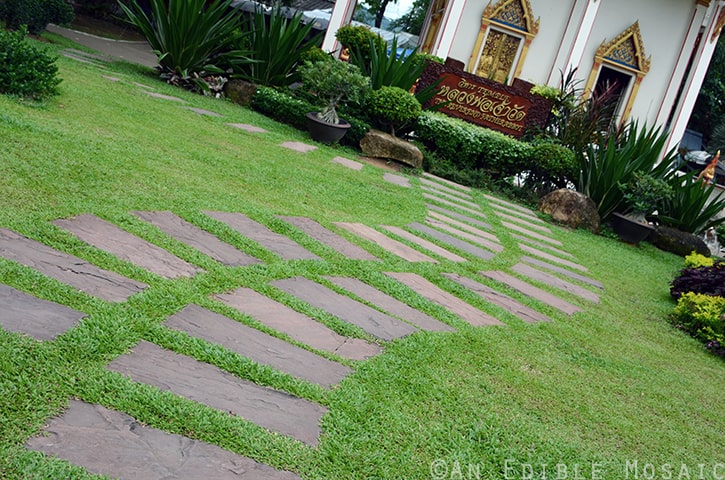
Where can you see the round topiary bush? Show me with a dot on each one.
(393, 107)
(27, 71)
(358, 37)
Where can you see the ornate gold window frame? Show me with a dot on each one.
(512, 17)
(625, 53)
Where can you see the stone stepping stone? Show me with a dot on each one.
(247, 127)
(534, 274)
(114, 444)
(391, 305)
(201, 111)
(446, 182)
(86, 55)
(336, 242)
(398, 180)
(445, 202)
(531, 291)
(38, 318)
(442, 188)
(65, 268)
(372, 321)
(147, 87)
(552, 258)
(525, 231)
(452, 241)
(285, 247)
(461, 226)
(491, 245)
(195, 237)
(527, 314)
(510, 205)
(514, 214)
(459, 216)
(533, 242)
(126, 246)
(87, 61)
(435, 294)
(527, 224)
(298, 146)
(258, 346)
(163, 97)
(110, 78)
(298, 326)
(567, 273)
(346, 162)
(204, 383)
(430, 246)
(453, 198)
(383, 241)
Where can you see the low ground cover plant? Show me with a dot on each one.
(27, 70)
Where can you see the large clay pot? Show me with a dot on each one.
(630, 231)
(326, 132)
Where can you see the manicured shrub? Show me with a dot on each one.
(361, 38)
(551, 166)
(36, 14)
(26, 70)
(696, 260)
(315, 54)
(703, 317)
(705, 280)
(393, 108)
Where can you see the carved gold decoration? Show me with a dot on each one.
(704, 3)
(514, 14)
(438, 8)
(718, 27)
(626, 50)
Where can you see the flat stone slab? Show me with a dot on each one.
(247, 127)
(298, 326)
(514, 214)
(459, 216)
(430, 246)
(258, 346)
(383, 241)
(552, 258)
(398, 180)
(452, 241)
(531, 241)
(285, 247)
(204, 383)
(440, 218)
(201, 111)
(197, 238)
(510, 205)
(38, 318)
(527, 314)
(114, 444)
(554, 281)
(65, 268)
(163, 97)
(336, 242)
(372, 321)
(446, 182)
(346, 162)
(453, 198)
(531, 291)
(442, 188)
(525, 223)
(447, 203)
(567, 273)
(391, 305)
(298, 146)
(126, 246)
(526, 231)
(483, 241)
(110, 78)
(435, 294)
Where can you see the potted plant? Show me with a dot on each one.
(334, 83)
(642, 195)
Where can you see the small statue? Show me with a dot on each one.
(708, 172)
(711, 241)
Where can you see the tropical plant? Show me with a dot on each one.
(693, 205)
(393, 107)
(333, 83)
(35, 14)
(643, 194)
(387, 69)
(27, 71)
(706, 280)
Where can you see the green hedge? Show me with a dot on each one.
(35, 14)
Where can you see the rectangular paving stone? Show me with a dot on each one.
(197, 238)
(484, 241)
(527, 314)
(459, 216)
(516, 214)
(453, 241)
(509, 204)
(531, 291)
(372, 321)
(164, 97)
(258, 346)
(298, 146)
(430, 246)
(334, 241)
(531, 241)
(567, 273)
(283, 246)
(552, 258)
(33, 316)
(435, 294)
(448, 203)
(201, 111)
(391, 305)
(247, 127)
(298, 326)
(525, 223)
(453, 198)
(398, 180)
(462, 226)
(126, 246)
(114, 444)
(446, 182)
(443, 188)
(526, 231)
(554, 281)
(204, 383)
(69, 269)
(383, 241)
(346, 162)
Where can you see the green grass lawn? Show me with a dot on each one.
(602, 390)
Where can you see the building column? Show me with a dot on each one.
(341, 15)
(448, 28)
(576, 37)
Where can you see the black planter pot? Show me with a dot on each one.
(326, 132)
(630, 231)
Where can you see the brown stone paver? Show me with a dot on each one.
(298, 146)
(197, 238)
(526, 231)
(126, 246)
(298, 326)
(201, 111)
(114, 444)
(336, 242)
(65, 268)
(447, 203)
(398, 180)
(462, 226)
(446, 182)
(453, 198)
(435, 294)
(163, 97)
(204, 383)
(442, 188)
(567, 273)
(515, 213)
(285, 247)
(531, 241)
(383, 241)
(531, 291)
(484, 241)
(247, 127)
(346, 162)
(552, 258)
(554, 281)
(391, 305)
(430, 246)
(38, 318)
(258, 346)
(527, 314)
(372, 321)
(509, 204)
(459, 216)
(452, 241)
(525, 223)
(110, 78)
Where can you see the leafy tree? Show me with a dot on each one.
(412, 21)
(710, 105)
(377, 8)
